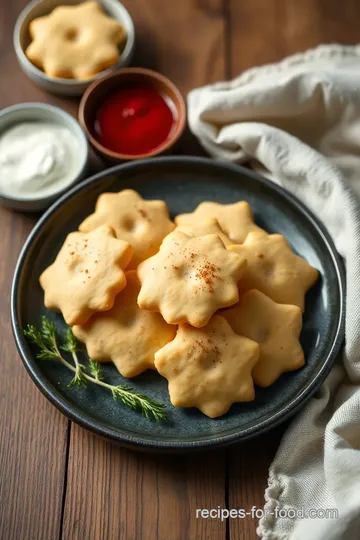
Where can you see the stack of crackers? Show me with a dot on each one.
(212, 302)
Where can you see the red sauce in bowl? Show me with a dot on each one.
(135, 121)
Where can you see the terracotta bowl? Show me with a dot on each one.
(100, 90)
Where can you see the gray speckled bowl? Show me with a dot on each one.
(183, 182)
(67, 87)
(41, 112)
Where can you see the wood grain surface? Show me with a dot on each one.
(33, 434)
(132, 496)
(58, 481)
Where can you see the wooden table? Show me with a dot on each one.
(58, 481)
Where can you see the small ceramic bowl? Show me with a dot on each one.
(67, 87)
(41, 112)
(100, 90)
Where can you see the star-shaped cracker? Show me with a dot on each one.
(236, 220)
(126, 335)
(274, 269)
(210, 226)
(275, 327)
(75, 41)
(208, 368)
(142, 223)
(87, 274)
(190, 278)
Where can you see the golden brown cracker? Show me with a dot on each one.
(75, 42)
(142, 223)
(208, 368)
(274, 269)
(86, 275)
(190, 278)
(275, 327)
(236, 220)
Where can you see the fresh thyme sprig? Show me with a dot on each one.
(47, 340)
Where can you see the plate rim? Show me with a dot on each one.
(84, 420)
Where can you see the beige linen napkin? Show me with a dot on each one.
(298, 122)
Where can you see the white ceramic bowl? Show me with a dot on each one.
(27, 112)
(67, 87)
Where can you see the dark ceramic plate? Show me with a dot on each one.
(183, 182)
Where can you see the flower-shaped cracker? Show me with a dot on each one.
(275, 327)
(87, 274)
(208, 368)
(142, 223)
(190, 278)
(75, 42)
(274, 269)
(126, 335)
(210, 226)
(236, 220)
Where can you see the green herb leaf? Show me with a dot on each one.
(79, 378)
(42, 341)
(139, 402)
(70, 344)
(49, 334)
(95, 369)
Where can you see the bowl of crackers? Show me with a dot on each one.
(64, 45)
